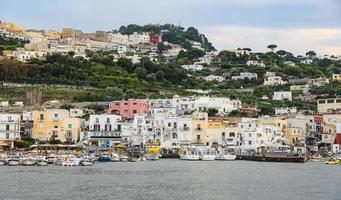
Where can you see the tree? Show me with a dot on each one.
(281, 52)
(141, 72)
(126, 64)
(212, 112)
(272, 47)
(310, 54)
(160, 75)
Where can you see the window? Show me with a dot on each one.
(232, 134)
(7, 136)
(338, 100)
(169, 124)
(41, 117)
(198, 137)
(134, 111)
(97, 127)
(330, 101)
(322, 102)
(108, 120)
(55, 116)
(250, 142)
(97, 120)
(69, 126)
(174, 135)
(7, 127)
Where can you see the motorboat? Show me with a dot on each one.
(103, 158)
(333, 162)
(132, 159)
(42, 163)
(152, 153)
(28, 162)
(86, 162)
(225, 157)
(51, 159)
(13, 162)
(124, 158)
(115, 157)
(71, 161)
(190, 156)
(2, 162)
(208, 155)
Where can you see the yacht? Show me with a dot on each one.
(191, 156)
(13, 162)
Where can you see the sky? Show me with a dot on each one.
(294, 25)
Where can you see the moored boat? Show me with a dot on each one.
(42, 163)
(333, 162)
(2, 162)
(13, 162)
(28, 162)
(87, 162)
(124, 158)
(226, 157)
(115, 157)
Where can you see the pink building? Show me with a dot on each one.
(127, 109)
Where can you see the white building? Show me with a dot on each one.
(137, 38)
(214, 78)
(274, 80)
(118, 38)
(222, 104)
(285, 111)
(206, 59)
(307, 61)
(255, 63)
(193, 68)
(76, 113)
(318, 82)
(10, 128)
(270, 74)
(245, 75)
(103, 131)
(282, 95)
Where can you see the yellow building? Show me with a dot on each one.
(223, 131)
(294, 136)
(215, 131)
(56, 124)
(199, 124)
(336, 77)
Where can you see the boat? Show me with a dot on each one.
(2, 162)
(71, 161)
(103, 158)
(208, 155)
(124, 158)
(42, 163)
(13, 162)
(333, 162)
(115, 157)
(132, 159)
(191, 156)
(51, 159)
(226, 157)
(86, 162)
(28, 162)
(152, 153)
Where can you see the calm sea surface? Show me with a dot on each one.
(174, 179)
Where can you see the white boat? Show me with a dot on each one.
(87, 162)
(208, 155)
(124, 158)
(226, 157)
(42, 163)
(71, 162)
(51, 159)
(13, 162)
(115, 157)
(189, 156)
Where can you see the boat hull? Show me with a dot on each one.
(208, 157)
(152, 156)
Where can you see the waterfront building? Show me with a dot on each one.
(129, 108)
(56, 124)
(103, 131)
(199, 126)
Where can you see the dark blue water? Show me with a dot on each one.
(174, 179)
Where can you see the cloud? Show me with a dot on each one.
(298, 41)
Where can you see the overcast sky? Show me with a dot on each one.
(294, 25)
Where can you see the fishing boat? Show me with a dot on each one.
(152, 153)
(333, 162)
(51, 159)
(13, 162)
(207, 155)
